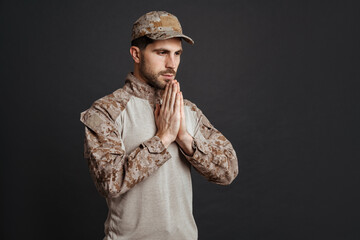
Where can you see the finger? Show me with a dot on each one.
(165, 97)
(165, 92)
(173, 96)
(178, 87)
(177, 103)
(168, 97)
(181, 103)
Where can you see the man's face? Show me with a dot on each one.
(159, 61)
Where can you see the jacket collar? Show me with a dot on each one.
(142, 90)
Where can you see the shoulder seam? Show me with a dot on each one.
(113, 104)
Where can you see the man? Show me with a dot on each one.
(141, 140)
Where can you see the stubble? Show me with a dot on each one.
(152, 78)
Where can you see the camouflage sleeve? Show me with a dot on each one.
(113, 171)
(214, 157)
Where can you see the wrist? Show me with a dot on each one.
(166, 140)
(184, 137)
(186, 142)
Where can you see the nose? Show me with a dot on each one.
(170, 62)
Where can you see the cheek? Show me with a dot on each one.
(157, 63)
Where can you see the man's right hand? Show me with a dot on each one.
(167, 116)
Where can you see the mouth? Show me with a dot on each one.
(169, 76)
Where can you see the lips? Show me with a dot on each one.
(168, 76)
(168, 72)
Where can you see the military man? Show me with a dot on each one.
(141, 141)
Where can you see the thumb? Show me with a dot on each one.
(157, 109)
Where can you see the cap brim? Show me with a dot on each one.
(169, 34)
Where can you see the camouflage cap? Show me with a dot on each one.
(158, 25)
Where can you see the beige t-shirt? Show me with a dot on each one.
(148, 187)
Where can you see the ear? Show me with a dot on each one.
(135, 53)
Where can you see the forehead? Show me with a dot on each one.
(172, 44)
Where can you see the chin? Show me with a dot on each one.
(162, 85)
(159, 84)
(163, 81)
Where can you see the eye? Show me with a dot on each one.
(162, 52)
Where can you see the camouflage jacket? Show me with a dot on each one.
(131, 167)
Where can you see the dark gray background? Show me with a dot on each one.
(278, 78)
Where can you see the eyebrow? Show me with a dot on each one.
(166, 50)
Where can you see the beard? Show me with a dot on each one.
(153, 78)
